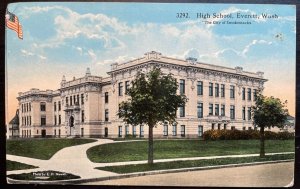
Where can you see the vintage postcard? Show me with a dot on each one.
(150, 94)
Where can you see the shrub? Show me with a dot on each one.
(244, 135)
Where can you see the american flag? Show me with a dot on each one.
(12, 22)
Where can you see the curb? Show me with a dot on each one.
(129, 175)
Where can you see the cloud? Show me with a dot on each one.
(253, 43)
(33, 55)
(26, 53)
(119, 59)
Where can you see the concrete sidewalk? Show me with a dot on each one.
(74, 160)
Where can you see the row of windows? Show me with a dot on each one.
(217, 111)
(248, 112)
(249, 94)
(120, 130)
(59, 120)
(26, 133)
(59, 106)
(26, 120)
(59, 132)
(174, 130)
(26, 107)
(225, 127)
(217, 90)
(127, 85)
(75, 100)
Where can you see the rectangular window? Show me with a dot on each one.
(232, 112)
(182, 86)
(174, 129)
(141, 130)
(82, 115)
(120, 131)
(244, 113)
(54, 132)
(211, 109)
(59, 106)
(225, 126)
(43, 121)
(29, 106)
(200, 110)
(43, 106)
(133, 130)
(182, 111)
(29, 120)
(126, 130)
(59, 119)
(211, 90)
(77, 100)
(120, 89)
(67, 101)
(216, 109)
(254, 94)
(182, 131)
(212, 126)
(82, 99)
(199, 88)
(249, 94)
(165, 131)
(219, 126)
(106, 97)
(71, 100)
(222, 90)
(232, 127)
(244, 128)
(232, 91)
(249, 113)
(74, 98)
(106, 114)
(55, 120)
(54, 106)
(216, 90)
(200, 130)
(22, 107)
(127, 85)
(223, 110)
(243, 93)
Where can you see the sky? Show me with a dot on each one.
(66, 38)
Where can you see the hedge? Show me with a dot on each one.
(245, 135)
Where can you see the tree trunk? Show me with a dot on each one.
(262, 142)
(150, 145)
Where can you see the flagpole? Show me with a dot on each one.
(5, 68)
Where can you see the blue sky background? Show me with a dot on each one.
(66, 38)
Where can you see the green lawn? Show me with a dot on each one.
(164, 149)
(192, 163)
(13, 165)
(41, 148)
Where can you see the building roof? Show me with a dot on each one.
(15, 120)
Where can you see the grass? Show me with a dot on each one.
(41, 148)
(166, 149)
(44, 175)
(192, 163)
(13, 165)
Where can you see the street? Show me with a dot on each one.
(268, 175)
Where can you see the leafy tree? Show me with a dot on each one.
(268, 112)
(153, 99)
